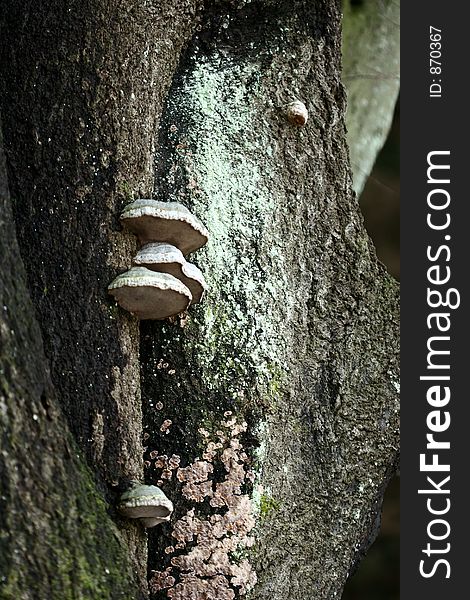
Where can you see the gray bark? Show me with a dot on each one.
(371, 74)
(298, 334)
(57, 540)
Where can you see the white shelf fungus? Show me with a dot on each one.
(165, 258)
(169, 222)
(147, 503)
(150, 295)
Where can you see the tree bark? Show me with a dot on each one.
(57, 540)
(297, 338)
(371, 74)
(82, 85)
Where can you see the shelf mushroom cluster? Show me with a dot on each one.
(161, 283)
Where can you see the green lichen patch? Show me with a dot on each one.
(268, 505)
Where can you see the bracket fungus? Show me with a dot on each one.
(150, 295)
(170, 222)
(165, 258)
(297, 113)
(147, 503)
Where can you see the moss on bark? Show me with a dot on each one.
(57, 540)
(298, 335)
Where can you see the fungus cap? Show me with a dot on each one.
(165, 258)
(147, 503)
(297, 113)
(150, 295)
(170, 222)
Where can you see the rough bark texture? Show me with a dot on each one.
(298, 335)
(82, 85)
(371, 74)
(56, 540)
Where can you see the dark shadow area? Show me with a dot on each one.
(378, 577)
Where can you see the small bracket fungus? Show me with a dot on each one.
(150, 295)
(297, 113)
(170, 222)
(165, 258)
(147, 503)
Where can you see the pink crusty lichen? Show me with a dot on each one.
(207, 569)
(165, 427)
(192, 587)
(196, 472)
(161, 580)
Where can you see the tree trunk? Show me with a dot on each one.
(371, 74)
(56, 539)
(281, 386)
